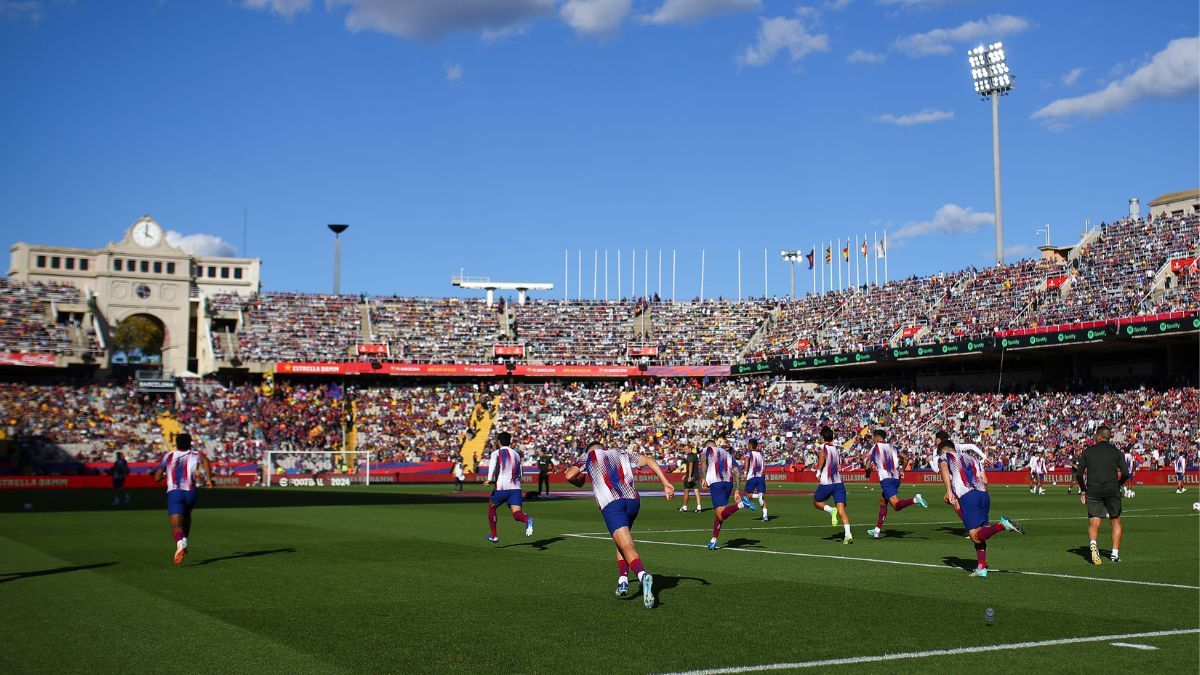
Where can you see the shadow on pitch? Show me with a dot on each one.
(742, 542)
(899, 534)
(540, 544)
(1086, 553)
(6, 577)
(956, 531)
(968, 564)
(243, 554)
(223, 498)
(663, 582)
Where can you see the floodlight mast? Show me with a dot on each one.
(792, 257)
(990, 73)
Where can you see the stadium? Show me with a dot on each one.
(351, 452)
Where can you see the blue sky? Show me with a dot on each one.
(491, 135)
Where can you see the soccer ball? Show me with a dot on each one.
(1196, 507)
(29, 507)
(1132, 494)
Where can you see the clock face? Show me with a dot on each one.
(147, 233)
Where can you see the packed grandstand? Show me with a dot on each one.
(74, 421)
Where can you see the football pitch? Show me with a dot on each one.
(401, 579)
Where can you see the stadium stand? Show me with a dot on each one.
(28, 324)
(300, 327)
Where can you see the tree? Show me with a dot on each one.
(139, 332)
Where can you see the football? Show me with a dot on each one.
(1196, 507)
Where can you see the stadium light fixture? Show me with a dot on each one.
(992, 78)
(792, 257)
(337, 229)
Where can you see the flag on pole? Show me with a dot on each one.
(864, 246)
(846, 252)
(828, 255)
(812, 257)
(879, 252)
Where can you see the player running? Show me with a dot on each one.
(961, 447)
(721, 476)
(504, 468)
(179, 467)
(829, 475)
(756, 481)
(615, 488)
(691, 479)
(1037, 471)
(889, 465)
(966, 488)
(1130, 466)
(119, 472)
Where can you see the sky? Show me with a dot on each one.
(490, 136)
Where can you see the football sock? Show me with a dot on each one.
(847, 528)
(987, 531)
(492, 519)
(1116, 553)
(882, 515)
(178, 534)
(981, 554)
(637, 568)
(904, 504)
(716, 528)
(184, 542)
(520, 516)
(622, 568)
(764, 513)
(1092, 542)
(730, 510)
(828, 509)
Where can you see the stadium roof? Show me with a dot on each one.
(1175, 197)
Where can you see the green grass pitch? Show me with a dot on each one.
(401, 579)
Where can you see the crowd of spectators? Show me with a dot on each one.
(985, 300)
(435, 330)
(701, 333)
(27, 323)
(299, 327)
(577, 332)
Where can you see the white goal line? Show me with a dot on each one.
(852, 660)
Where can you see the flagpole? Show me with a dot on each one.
(701, 275)
(659, 274)
(606, 275)
(620, 295)
(875, 248)
(739, 275)
(595, 271)
(566, 275)
(766, 294)
(886, 253)
(672, 275)
(646, 272)
(579, 274)
(633, 274)
(814, 269)
(839, 262)
(857, 275)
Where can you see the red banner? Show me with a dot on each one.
(133, 481)
(802, 344)
(409, 369)
(687, 371)
(576, 371)
(1055, 282)
(380, 350)
(19, 359)
(1183, 265)
(643, 351)
(509, 350)
(910, 331)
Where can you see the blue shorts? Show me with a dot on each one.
(620, 513)
(836, 490)
(756, 486)
(890, 487)
(719, 493)
(510, 497)
(1179, 477)
(180, 502)
(1035, 476)
(118, 483)
(975, 506)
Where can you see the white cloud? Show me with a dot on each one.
(1171, 73)
(837, 5)
(919, 5)
(595, 17)
(942, 40)
(284, 8)
(454, 72)
(1016, 251)
(779, 33)
(862, 56)
(950, 219)
(923, 117)
(685, 11)
(33, 11)
(1072, 76)
(200, 244)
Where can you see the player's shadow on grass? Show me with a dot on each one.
(1086, 553)
(956, 531)
(540, 544)
(6, 577)
(961, 563)
(244, 554)
(742, 542)
(663, 582)
(899, 534)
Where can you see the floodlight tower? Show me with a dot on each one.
(989, 70)
(792, 257)
(337, 229)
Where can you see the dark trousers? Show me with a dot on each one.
(458, 485)
(543, 478)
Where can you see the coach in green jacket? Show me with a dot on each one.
(1101, 472)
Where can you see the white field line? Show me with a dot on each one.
(905, 563)
(852, 660)
(905, 523)
(1148, 648)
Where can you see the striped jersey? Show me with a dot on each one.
(831, 472)
(180, 466)
(755, 464)
(1129, 462)
(720, 465)
(886, 461)
(504, 468)
(1180, 464)
(611, 473)
(966, 473)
